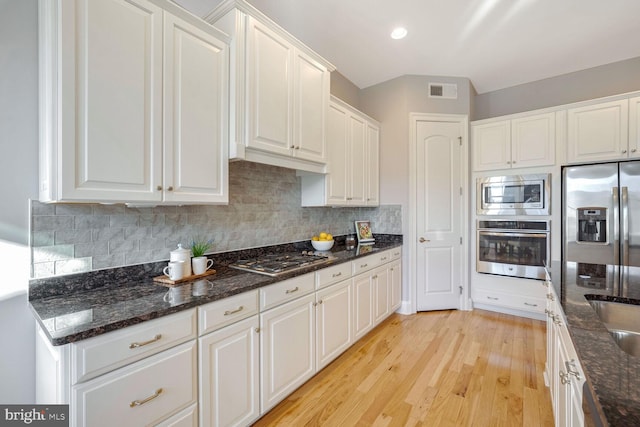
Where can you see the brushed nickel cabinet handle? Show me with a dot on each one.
(422, 240)
(364, 265)
(530, 305)
(493, 298)
(141, 344)
(337, 274)
(624, 151)
(633, 150)
(290, 291)
(237, 310)
(135, 403)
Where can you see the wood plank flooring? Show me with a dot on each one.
(442, 368)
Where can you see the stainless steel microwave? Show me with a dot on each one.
(514, 195)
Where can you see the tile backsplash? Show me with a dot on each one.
(264, 209)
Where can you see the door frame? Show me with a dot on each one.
(463, 121)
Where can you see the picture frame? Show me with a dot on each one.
(364, 233)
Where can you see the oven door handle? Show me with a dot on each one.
(510, 234)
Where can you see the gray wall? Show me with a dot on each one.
(597, 82)
(18, 174)
(344, 89)
(390, 103)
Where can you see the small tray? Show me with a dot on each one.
(166, 281)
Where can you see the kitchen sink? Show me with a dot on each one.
(623, 323)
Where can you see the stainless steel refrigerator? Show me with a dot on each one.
(601, 214)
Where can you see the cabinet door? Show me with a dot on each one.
(229, 381)
(491, 146)
(195, 120)
(311, 100)
(333, 322)
(395, 286)
(373, 165)
(362, 305)
(380, 283)
(357, 161)
(287, 348)
(269, 90)
(338, 147)
(111, 101)
(597, 132)
(533, 141)
(634, 127)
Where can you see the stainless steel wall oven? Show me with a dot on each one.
(513, 247)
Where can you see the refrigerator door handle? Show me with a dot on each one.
(616, 225)
(624, 199)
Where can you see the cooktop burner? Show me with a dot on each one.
(276, 264)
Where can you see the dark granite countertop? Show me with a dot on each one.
(76, 307)
(613, 376)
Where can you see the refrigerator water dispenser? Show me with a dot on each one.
(592, 225)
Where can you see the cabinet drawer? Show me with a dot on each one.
(396, 253)
(518, 302)
(98, 355)
(287, 290)
(143, 393)
(330, 275)
(384, 257)
(363, 264)
(221, 313)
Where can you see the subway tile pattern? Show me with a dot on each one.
(264, 209)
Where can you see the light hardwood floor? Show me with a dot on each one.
(442, 368)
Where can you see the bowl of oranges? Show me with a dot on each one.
(322, 241)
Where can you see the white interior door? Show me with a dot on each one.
(439, 215)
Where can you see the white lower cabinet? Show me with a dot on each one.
(229, 381)
(395, 286)
(287, 349)
(564, 372)
(333, 322)
(362, 305)
(380, 285)
(143, 393)
(253, 349)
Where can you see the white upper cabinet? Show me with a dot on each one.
(196, 114)
(353, 144)
(516, 143)
(598, 132)
(280, 92)
(634, 128)
(106, 76)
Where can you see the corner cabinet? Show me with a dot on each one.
(280, 94)
(133, 103)
(516, 143)
(353, 175)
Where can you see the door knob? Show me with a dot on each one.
(422, 240)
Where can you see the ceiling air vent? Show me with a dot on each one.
(443, 90)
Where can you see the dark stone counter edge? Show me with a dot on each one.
(57, 288)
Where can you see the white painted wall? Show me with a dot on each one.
(19, 177)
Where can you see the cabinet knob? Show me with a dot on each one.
(624, 151)
(159, 188)
(170, 188)
(297, 147)
(633, 150)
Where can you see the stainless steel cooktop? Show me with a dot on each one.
(277, 264)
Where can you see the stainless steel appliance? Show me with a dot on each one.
(278, 264)
(513, 248)
(514, 195)
(601, 213)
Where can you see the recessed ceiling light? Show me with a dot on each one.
(398, 33)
